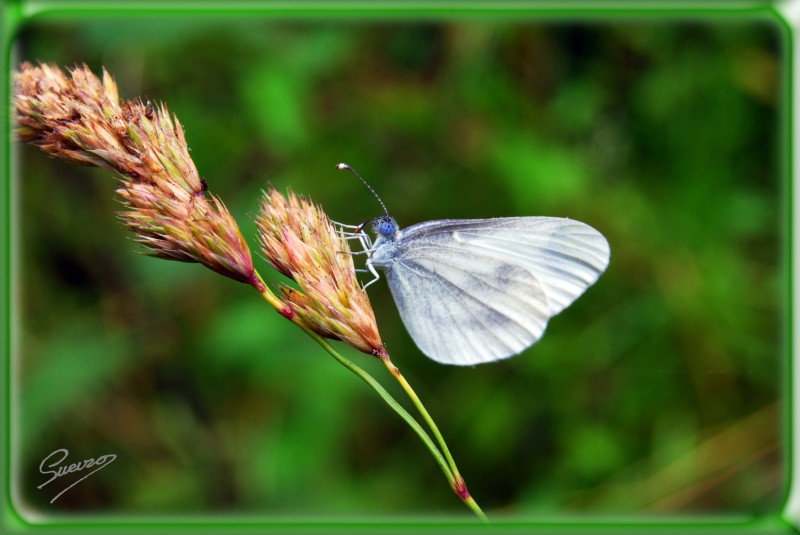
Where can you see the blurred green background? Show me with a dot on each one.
(659, 392)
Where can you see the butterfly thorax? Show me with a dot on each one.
(385, 247)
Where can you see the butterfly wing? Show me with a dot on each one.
(469, 309)
(473, 291)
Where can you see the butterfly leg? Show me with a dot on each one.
(366, 242)
(366, 245)
(375, 273)
(358, 233)
(345, 226)
(362, 237)
(349, 237)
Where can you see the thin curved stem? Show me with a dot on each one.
(367, 378)
(375, 385)
(445, 462)
(459, 485)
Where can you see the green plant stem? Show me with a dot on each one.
(459, 486)
(455, 481)
(375, 385)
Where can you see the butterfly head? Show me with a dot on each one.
(385, 226)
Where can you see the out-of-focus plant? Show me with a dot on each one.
(80, 118)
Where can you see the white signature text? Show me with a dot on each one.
(49, 464)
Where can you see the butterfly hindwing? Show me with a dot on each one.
(468, 309)
(472, 291)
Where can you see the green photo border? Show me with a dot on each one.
(16, 13)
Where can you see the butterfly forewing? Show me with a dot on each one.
(472, 291)
(567, 256)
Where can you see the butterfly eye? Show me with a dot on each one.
(386, 227)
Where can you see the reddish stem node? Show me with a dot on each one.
(287, 312)
(257, 283)
(460, 488)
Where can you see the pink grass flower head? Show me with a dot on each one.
(79, 118)
(299, 240)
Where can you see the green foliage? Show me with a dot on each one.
(657, 392)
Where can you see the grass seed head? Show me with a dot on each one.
(298, 239)
(79, 118)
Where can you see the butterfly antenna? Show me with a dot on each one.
(347, 167)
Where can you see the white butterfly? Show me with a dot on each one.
(479, 290)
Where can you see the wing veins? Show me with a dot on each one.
(506, 252)
(509, 240)
(428, 274)
(423, 275)
(450, 285)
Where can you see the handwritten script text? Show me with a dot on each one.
(49, 464)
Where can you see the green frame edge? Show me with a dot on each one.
(16, 13)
